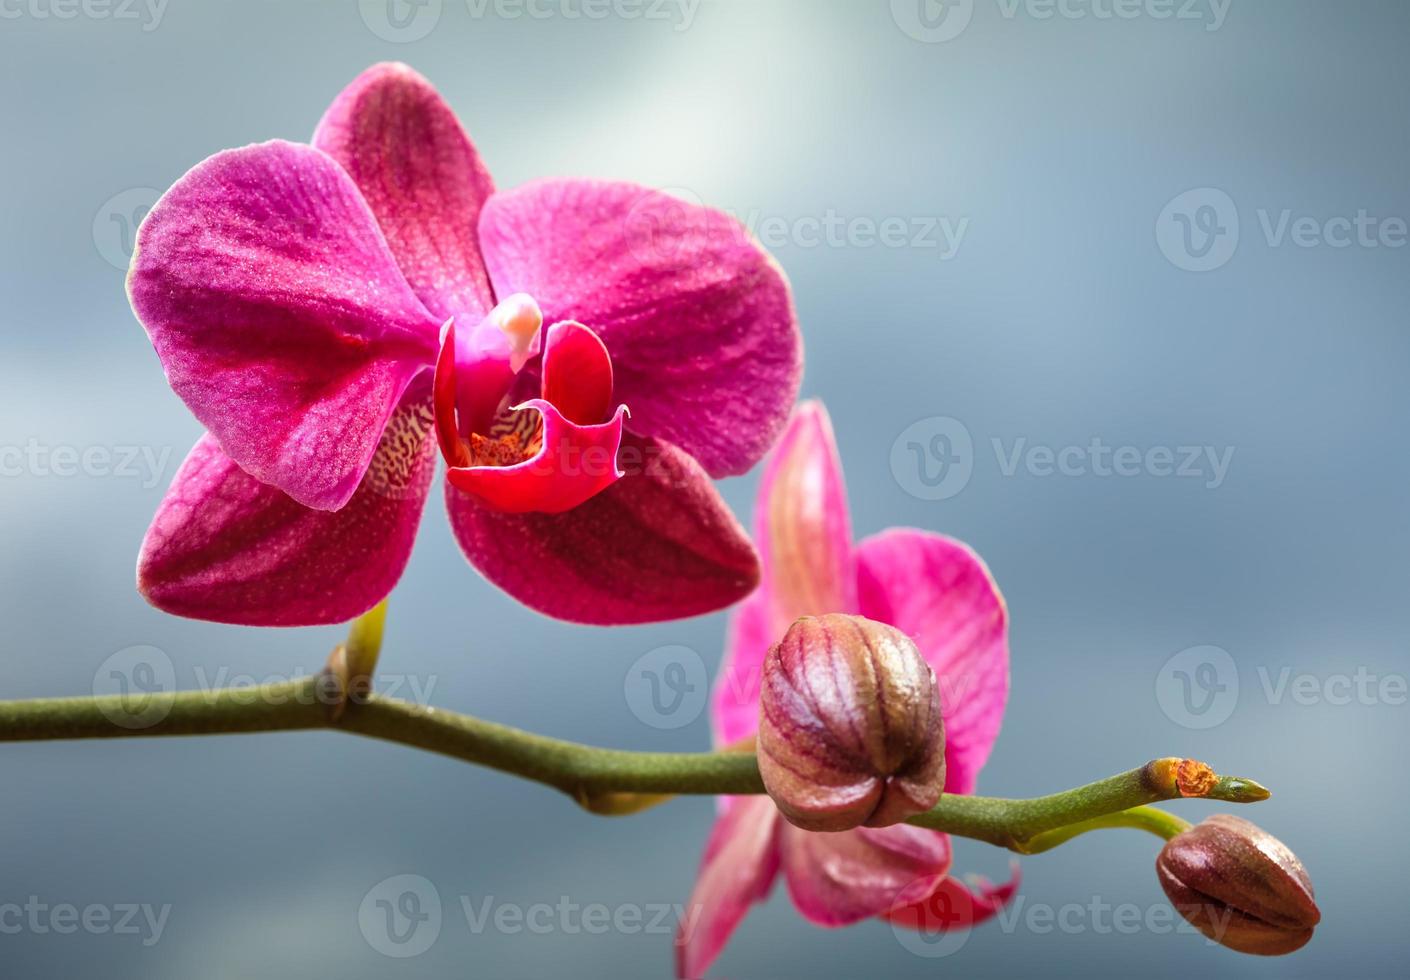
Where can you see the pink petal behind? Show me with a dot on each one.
(697, 317)
(955, 905)
(734, 706)
(225, 547)
(804, 538)
(940, 593)
(841, 878)
(801, 523)
(403, 147)
(279, 315)
(740, 863)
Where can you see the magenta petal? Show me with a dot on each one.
(939, 592)
(658, 544)
(574, 464)
(953, 905)
(805, 548)
(228, 548)
(696, 315)
(842, 878)
(801, 523)
(279, 315)
(734, 705)
(740, 864)
(403, 147)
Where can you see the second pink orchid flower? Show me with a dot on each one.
(934, 589)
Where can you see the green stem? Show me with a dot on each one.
(350, 665)
(1148, 818)
(579, 770)
(1016, 824)
(364, 643)
(603, 780)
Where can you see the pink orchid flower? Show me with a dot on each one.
(588, 353)
(938, 592)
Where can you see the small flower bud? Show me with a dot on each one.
(849, 725)
(1240, 886)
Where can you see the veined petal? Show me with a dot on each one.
(939, 592)
(658, 544)
(280, 316)
(740, 864)
(804, 538)
(696, 315)
(225, 547)
(801, 523)
(573, 464)
(955, 905)
(841, 878)
(403, 147)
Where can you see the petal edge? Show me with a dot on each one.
(659, 544)
(227, 548)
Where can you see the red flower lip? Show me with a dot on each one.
(543, 455)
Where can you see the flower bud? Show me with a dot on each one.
(849, 725)
(1240, 886)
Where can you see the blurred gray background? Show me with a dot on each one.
(1083, 294)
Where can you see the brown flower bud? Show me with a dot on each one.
(1240, 886)
(849, 725)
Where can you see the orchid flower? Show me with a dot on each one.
(933, 589)
(588, 353)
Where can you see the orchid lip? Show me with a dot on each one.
(573, 463)
(535, 455)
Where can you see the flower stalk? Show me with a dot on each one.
(350, 666)
(605, 780)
